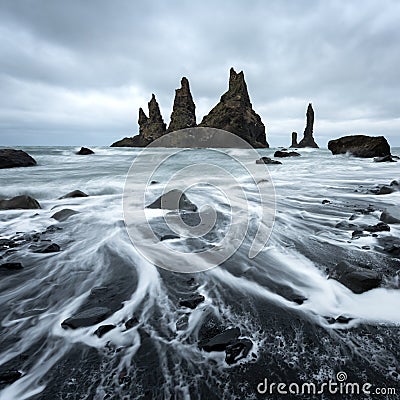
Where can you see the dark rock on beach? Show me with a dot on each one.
(184, 110)
(46, 248)
(379, 227)
(234, 113)
(20, 203)
(391, 216)
(173, 200)
(357, 279)
(74, 194)
(84, 151)
(308, 138)
(103, 329)
(280, 153)
(64, 214)
(88, 317)
(11, 158)
(10, 376)
(238, 350)
(360, 146)
(267, 160)
(383, 189)
(11, 266)
(193, 301)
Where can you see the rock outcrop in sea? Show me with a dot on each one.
(184, 110)
(234, 113)
(360, 146)
(11, 158)
(294, 140)
(308, 139)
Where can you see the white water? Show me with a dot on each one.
(53, 286)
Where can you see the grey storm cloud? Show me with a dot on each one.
(76, 72)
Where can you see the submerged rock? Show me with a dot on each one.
(184, 110)
(173, 200)
(280, 153)
(379, 227)
(64, 214)
(20, 203)
(234, 113)
(88, 317)
(387, 158)
(46, 248)
(74, 194)
(10, 376)
(360, 146)
(84, 151)
(11, 158)
(308, 139)
(267, 160)
(238, 350)
(11, 266)
(383, 189)
(357, 279)
(221, 341)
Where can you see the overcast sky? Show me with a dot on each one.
(76, 72)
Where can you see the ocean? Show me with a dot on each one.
(259, 265)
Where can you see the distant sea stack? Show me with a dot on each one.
(294, 140)
(308, 139)
(234, 113)
(184, 110)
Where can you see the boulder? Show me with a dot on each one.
(390, 245)
(88, 317)
(387, 158)
(103, 329)
(234, 113)
(20, 203)
(360, 146)
(294, 140)
(390, 217)
(10, 376)
(153, 126)
(192, 302)
(267, 160)
(11, 266)
(357, 279)
(64, 214)
(74, 194)
(220, 341)
(280, 153)
(383, 189)
(379, 227)
(173, 200)
(46, 248)
(308, 139)
(184, 110)
(84, 151)
(11, 158)
(238, 350)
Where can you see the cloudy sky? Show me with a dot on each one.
(76, 72)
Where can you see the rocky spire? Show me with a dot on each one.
(153, 126)
(294, 140)
(184, 110)
(234, 113)
(308, 139)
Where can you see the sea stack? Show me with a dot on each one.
(308, 139)
(153, 126)
(184, 110)
(294, 140)
(234, 113)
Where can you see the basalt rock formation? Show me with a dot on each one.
(360, 146)
(308, 139)
(294, 140)
(153, 126)
(234, 113)
(184, 110)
